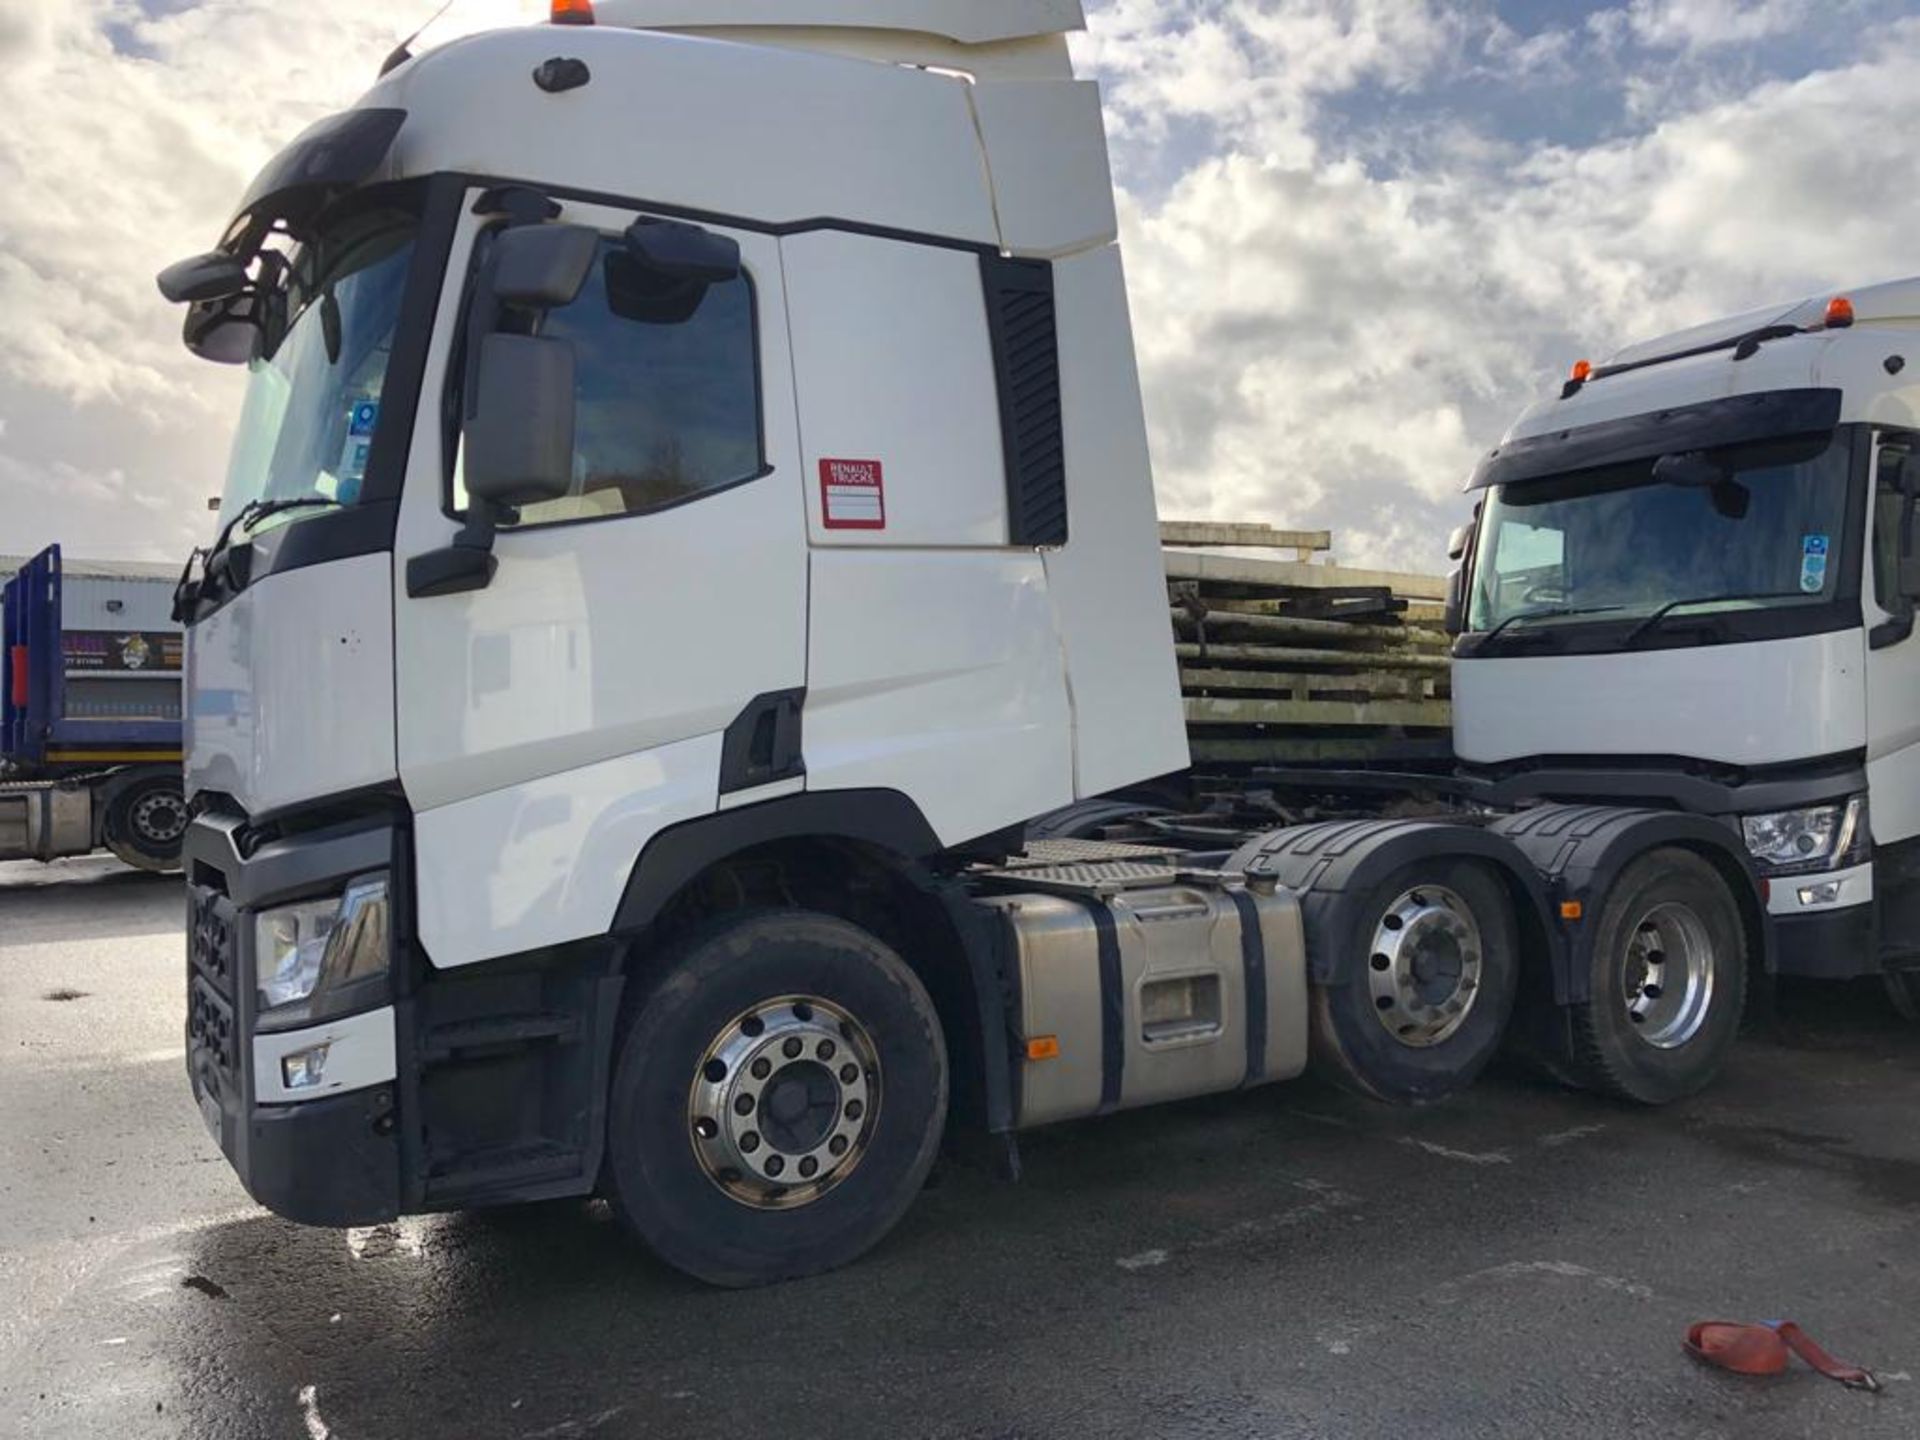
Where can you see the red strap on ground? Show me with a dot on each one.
(1762, 1350)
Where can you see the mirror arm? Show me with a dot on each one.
(467, 564)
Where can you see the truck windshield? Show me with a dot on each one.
(1616, 547)
(307, 424)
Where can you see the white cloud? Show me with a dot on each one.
(1324, 344)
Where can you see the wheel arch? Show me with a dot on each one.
(864, 856)
(1581, 850)
(1335, 864)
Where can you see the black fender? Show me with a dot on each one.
(885, 819)
(1333, 865)
(1579, 852)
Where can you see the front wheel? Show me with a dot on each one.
(778, 1101)
(1669, 981)
(1423, 987)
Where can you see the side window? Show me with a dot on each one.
(1529, 563)
(666, 391)
(1893, 539)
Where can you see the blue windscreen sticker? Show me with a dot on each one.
(1813, 563)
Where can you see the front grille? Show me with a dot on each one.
(213, 972)
(213, 938)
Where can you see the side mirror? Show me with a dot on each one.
(1459, 540)
(213, 276)
(676, 250)
(1456, 612)
(542, 267)
(519, 438)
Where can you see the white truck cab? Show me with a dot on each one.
(1692, 585)
(689, 536)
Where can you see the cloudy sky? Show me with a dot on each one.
(1361, 233)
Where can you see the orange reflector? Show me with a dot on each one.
(1043, 1047)
(1582, 369)
(572, 12)
(1571, 910)
(1839, 313)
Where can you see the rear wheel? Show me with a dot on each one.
(778, 1100)
(1669, 981)
(1424, 987)
(147, 821)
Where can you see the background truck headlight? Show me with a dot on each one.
(318, 945)
(1797, 839)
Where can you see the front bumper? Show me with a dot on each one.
(1835, 944)
(333, 1159)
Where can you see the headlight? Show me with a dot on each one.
(319, 945)
(1798, 838)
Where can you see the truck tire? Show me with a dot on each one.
(147, 821)
(778, 1100)
(1669, 981)
(1424, 986)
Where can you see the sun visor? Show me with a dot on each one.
(328, 159)
(1732, 420)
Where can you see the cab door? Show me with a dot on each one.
(551, 722)
(1893, 647)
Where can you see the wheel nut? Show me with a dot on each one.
(808, 1166)
(762, 1068)
(749, 1142)
(838, 1145)
(849, 1073)
(826, 1050)
(855, 1109)
(775, 1165)
(743, 1106)
(791, 1048)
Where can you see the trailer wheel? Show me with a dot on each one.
(146, 823)
(1669, 981)
(778, 1100)
(1424, 987)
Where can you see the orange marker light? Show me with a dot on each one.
(1839, 313)
(1043, 1047)
(572, 12)
(1582, 369)
(1571, 910)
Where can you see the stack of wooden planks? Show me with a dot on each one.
(1291, 662)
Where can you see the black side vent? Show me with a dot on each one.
(1026, 360)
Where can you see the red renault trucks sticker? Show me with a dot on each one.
(853, 496)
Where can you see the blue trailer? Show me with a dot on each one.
(90, 713)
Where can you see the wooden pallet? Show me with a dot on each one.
(1284, 661)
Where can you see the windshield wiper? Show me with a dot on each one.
(216, 563)
(1555, 613)
(1653, 621)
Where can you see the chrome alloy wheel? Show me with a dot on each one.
(1667, 982)
(784, 1101)
(1424, 966)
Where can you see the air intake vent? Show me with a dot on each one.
(1026, 357)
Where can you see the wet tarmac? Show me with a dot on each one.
(1523, 1262)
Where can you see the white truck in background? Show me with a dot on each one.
(688, 571)
(1690, 583)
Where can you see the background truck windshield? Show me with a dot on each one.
(307, 425)
(1613, 543)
